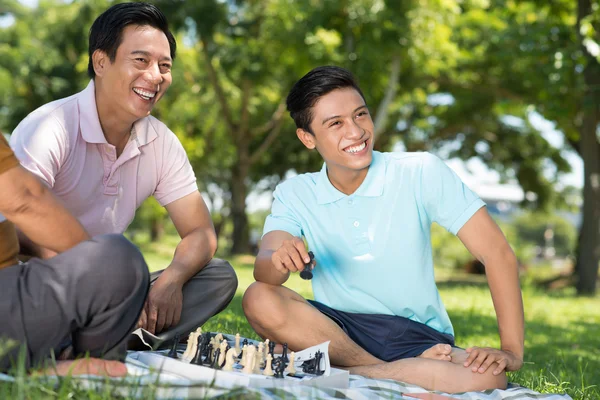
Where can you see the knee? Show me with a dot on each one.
(121, 263)
(262, 305)
(489, 381)
(224, 275)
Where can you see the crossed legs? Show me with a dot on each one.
(282, 315)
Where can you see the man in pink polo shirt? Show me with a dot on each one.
(103, 154)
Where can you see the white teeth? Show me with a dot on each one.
(144, 94)
(356, 149)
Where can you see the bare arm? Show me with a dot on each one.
(280, 253)
(27, 203)
(198, 238)
(484, 239)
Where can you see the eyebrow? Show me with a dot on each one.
(338, 116)
(148, 54)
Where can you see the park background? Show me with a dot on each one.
(507, 92)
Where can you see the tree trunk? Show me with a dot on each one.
(589, 251)
(157, 228)
(239, 192)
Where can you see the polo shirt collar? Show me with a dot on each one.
(372, 186)
(89, 123)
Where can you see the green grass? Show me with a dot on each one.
(562, 348)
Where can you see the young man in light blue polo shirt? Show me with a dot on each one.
(366, 216)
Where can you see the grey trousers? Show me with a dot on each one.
(91, 295)
(207, 293)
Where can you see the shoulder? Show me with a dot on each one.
(299, 185)
(415, 160)
(59, 118)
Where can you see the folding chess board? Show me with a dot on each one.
(203, 363)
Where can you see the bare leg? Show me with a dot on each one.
(280, 314)
(433, 375)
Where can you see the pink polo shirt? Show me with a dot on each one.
(63, 144)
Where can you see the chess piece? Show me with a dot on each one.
(190, 345)
(284, 354)
(223, 349)
(306, 273)
(215, 364)
(229, 359)
(291, 369)
(209, 353)
(219, 337)
(272, 349)
(266, 348)
(257, 361)
(260, 355)
(244, 355)
(250, 357)
(173, 351)
(193, 349)
(197, 360)
(279, 367)
(237, 343)
(268, 371)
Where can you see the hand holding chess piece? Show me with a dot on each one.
(306, 273)
(292, 256)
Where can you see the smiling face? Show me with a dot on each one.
(343, 133)
(138, 77)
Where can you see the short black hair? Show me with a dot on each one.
(106, 31)
(311, 87)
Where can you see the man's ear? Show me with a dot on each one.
(100, 62)
(307, 138)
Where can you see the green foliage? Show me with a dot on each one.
(532, 227)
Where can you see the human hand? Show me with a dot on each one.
(164, 304)
(481, 358)
(143, 320)
(291, 256)
(86, 366)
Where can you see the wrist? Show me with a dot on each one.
(174, 273)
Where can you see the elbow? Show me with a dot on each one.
(25, 200)
(212, 243)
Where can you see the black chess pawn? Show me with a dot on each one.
(215, 363)
(197, 360)
(272, 349)
(284, 354)
(203, 345)
(306, 273)
(173, 351)
(209, 351)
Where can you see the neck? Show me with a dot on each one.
(347, 181)
(115, 128)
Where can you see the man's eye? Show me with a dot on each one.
(141, 59)
(335, 123)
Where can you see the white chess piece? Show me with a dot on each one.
(191, 348)
(268, 370)
(266, 347)
(250, 358)
(291, 369)
(237, 343)
(229, 361)
(223, 348)
(257, 361)
(244, 355)
(219, 337)
(260, 355)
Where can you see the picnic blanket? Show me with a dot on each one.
(142, 381)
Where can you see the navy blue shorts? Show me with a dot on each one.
(387, 337)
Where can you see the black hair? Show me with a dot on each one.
(311, 87)
(106, 33)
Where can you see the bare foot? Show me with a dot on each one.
(438, 352)
(87, 366)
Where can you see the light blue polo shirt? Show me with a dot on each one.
(373, 247)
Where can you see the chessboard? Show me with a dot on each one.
(229, 360)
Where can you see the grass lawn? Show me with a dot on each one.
(562, 348)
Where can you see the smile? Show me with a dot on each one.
(144, 94)
(357, 148)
